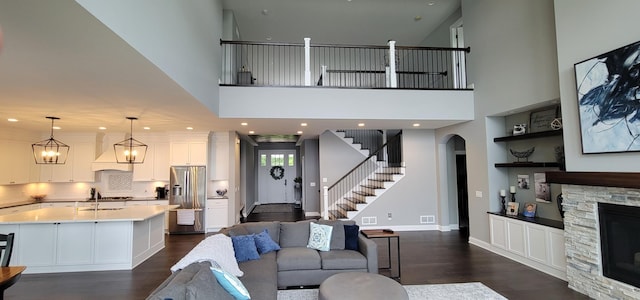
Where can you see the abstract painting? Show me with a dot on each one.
(608, 87)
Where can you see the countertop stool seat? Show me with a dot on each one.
(358, 285)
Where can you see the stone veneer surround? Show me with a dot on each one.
(582, 240)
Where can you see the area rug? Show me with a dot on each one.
(451, 291)
(273, 208)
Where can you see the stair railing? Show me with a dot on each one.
(363, 179)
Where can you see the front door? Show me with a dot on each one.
(276, 171)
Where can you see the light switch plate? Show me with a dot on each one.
(478, 194)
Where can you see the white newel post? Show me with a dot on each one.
(393, 80)
(324, 76)
(307, 61)
(325, 208)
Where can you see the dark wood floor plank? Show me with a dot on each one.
(428, 257)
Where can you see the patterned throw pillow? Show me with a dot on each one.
(230, 283)
(319, 237)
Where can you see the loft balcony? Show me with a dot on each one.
(260, 80)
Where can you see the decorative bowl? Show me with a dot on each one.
(39, 197)
(221, 192)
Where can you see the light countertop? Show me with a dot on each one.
(85, 214)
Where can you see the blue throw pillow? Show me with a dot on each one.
(244, 247)
(351, 237)
(265, 243)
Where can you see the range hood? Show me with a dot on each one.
(107, 160)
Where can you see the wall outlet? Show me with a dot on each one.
(312, 184)
(389, 216)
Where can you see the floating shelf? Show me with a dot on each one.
(528, 165)
(527, 136)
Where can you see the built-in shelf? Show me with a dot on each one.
(527, 136)
(528, 165)
(535, 220)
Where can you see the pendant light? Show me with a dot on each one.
(130, 151)
(50, 151)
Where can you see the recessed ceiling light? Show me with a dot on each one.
(251, 132)
(189, 128)
(416, 124)
(431, 3)
(268, 38)
(102, 128)
(299, 131)
(12, 120)
(303, 124)
(417, 18)
(146, 128)
(360, 124)
(244, 123)
(265, 12)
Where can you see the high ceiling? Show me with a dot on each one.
(59, 60)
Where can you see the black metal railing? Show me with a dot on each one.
(284, 64)
(362, 181)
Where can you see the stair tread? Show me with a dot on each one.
(355, 200)
(376, 187)
(361, 193)
(346, 207)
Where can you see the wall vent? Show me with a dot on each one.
(369, 220)
(427, 219)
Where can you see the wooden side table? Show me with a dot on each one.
(386, 234)
(9, 276)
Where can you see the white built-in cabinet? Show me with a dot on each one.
(535, 245)
(188, 150)
(156, 163)
(82, 153)
(14, 162)
(219, 169)
(216, 216)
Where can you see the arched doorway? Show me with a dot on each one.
(455, 193)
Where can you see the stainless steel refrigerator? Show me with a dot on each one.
(187, 188)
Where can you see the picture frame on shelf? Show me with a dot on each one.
(542, 188)
(512, 208)
(529, 210)
(540, 120)
(519, 129)
(523, 181)
(608, 119)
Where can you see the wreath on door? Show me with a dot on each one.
(277, 172)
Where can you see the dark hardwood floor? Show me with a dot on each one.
(427, 257)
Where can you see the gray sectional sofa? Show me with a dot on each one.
(293, 265)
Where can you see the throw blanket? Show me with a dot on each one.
(216, 248)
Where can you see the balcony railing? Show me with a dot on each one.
(291, 64)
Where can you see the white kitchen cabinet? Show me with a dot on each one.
(535, 245)
(156, 164)
(108, 252)
(40, 250)
(74, 243)
(216, 216)
(188, 153)
(219, 156)
(14, 162)
(77, 167)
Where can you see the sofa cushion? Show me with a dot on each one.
(193, 282)
(337, 234)
(319, 236)
(265, 243)
(351, 237)
(261, 276)
(343, 260)
(294, 234)
(298, 258)
(257, 227)
(244, 247)
(230, 283)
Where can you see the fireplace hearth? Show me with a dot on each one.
(619, 228)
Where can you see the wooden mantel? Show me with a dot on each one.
(610, 179)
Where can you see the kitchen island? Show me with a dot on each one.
(73, 239)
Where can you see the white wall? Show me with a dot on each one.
(181, 37)
(586, 28)
(512, 65)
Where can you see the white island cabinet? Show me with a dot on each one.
(66, 239)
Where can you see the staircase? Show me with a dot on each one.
(368, 180)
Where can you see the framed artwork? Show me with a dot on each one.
(607, 88)
(529, 210)
(542, 188)
(512, 208)
(540, 120)
(523, 181)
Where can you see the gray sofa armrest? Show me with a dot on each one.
(369, 249)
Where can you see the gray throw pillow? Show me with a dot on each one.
(337, 235)
(294, 234)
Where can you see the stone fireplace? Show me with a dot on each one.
(585, 271)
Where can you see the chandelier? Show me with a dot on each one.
(50, 151)
(130, 151)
